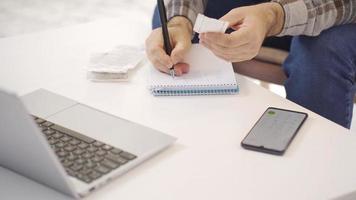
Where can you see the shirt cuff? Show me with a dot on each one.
(181, 8)
(295, 17)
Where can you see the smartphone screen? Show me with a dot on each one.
(274, 131)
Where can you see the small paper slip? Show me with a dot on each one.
(208, 74)
(115, 64)
(204, 24)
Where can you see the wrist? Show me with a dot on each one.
(181, 22)
(275, 18)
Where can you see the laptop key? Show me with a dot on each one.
(85, 171)
(78, 151)
(72, 157)
(94, 175)
(116, 158)
(67, 163)
(83, 145)
(39, 120)
(66, 138)
(87, 155)
(76, 167)
(73, 134)
(83, 178)
(62, 153)
(57, 135)
(80, 161)
(106, 147)
(69, 148)
(74, 142)
(92, 149)
(109, 164)
(98, 144)
(101, 153)
(90, 164)
(62, 159)
(127, 155)
(47, 124)
(102, 169)
(96, 159)
(60, 144)
(52, 141)
(116, 151)
(48, 132)
(70, 172)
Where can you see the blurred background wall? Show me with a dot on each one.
(26, 16)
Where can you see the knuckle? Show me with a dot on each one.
(232, 11)
(229, 58)
(254, 54)
(227, 40)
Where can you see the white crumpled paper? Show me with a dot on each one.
(116, 64)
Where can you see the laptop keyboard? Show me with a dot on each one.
(82, 157)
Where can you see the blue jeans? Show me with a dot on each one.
(321, 73)
(321, 70)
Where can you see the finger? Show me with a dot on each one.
(154, 48)
(157, 54)
(161, 67)
(234, 17)
(228, 51)
(181, 48)
(233, 55)
(218, 53)
(235, 39)
(179, 69)
(215, 49)
(182, 67)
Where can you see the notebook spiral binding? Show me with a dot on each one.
(191, 92)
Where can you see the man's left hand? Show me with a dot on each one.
(251, 24)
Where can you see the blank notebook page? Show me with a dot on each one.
(207, 74)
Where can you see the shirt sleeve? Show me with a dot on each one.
(186, 8)
(310, 17)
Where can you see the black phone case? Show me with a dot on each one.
(273, 151)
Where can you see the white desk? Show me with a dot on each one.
(207, 161)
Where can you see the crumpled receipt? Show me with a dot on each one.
(204, 24)
(115, 64)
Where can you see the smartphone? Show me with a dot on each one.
(274, 131)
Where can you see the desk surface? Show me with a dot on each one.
(207, 161)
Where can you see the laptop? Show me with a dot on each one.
(69, 146)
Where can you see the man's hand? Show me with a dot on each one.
(251, 24)
(180, 32)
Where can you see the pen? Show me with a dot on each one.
(167, 43)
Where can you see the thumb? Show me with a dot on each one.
(234, 17)
(179, 51)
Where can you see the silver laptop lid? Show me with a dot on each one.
(24, 150)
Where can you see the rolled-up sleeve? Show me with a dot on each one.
(311, 17)
(186, 8)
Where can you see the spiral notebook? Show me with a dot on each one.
(208, 75)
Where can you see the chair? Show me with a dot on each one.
(266, 66)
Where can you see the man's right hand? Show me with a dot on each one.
(180, 32)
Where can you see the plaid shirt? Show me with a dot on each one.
(302, 17)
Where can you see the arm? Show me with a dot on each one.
(310, 17)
